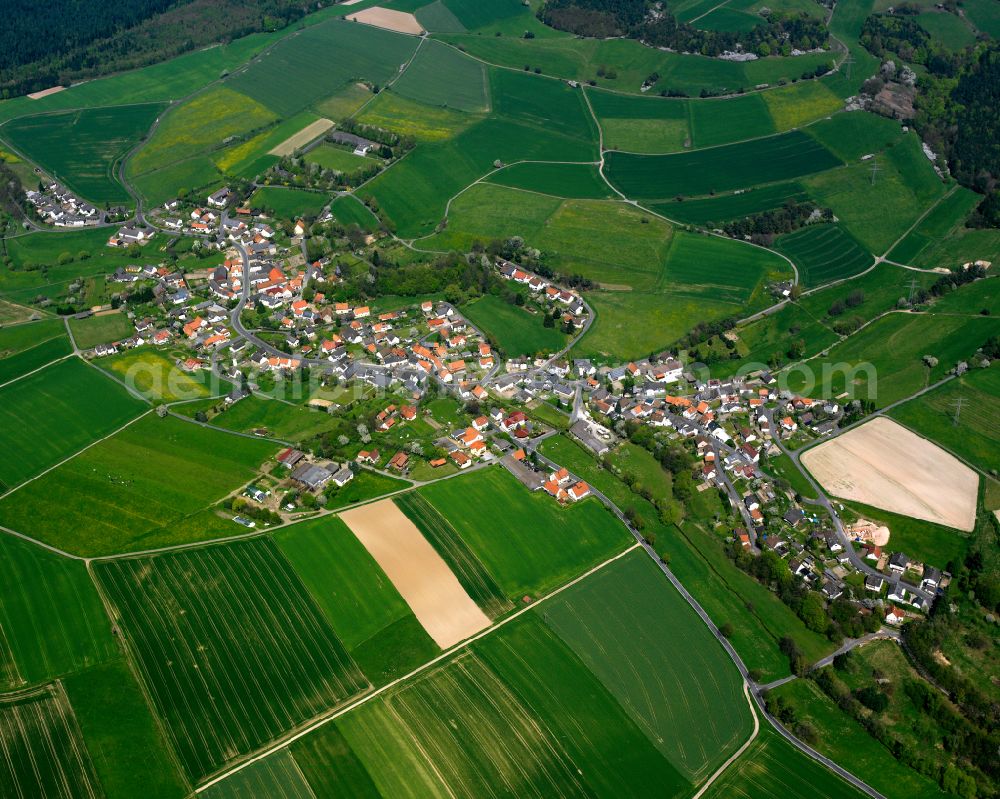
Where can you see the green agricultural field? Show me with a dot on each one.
(43, 752)
(198, 174)
(26, 347)
(719, 268)
(464, 564)
(414, 192)
(796, 105)
(364, 608)
(276, 777)
(423, 122)
(281, 419)
(641, 124)
(51, 618)
(547, 104)
(573, 181)
(610, 611)
(82, 148)
(66, 256)
(713, 211)
(569, 57)
(732, 166)
(516, 330)
(161, 82)
(721, 121)
(146, 486)
(198, 125)
(928, 542)
(339, 159)
(442, 76)
(130, 752)
(983, 15)
(976, 436)
(903, 188)
(251, 157)
(527, 542)
(330, 766)
(252, 655)
(773, 334)
(473, 14)
(155, 375)
(947, 29)
(351, 211)
(365, 486)
(842, 739)
(772, 767)
(929, 237)
(50, 414)
(853, 134)
(506, 719)
(885, 360)
(320, 61)
(105, 329)
(824, 253)
(288, 203)
(436, 18)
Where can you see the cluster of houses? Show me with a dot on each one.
(574, 310)
(58, 206)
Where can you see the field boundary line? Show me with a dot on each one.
(43, 366)
(30, 480)
(738, 752)
(290, 738)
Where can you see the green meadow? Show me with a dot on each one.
(528, 543)
(83, 148)
(516, 330)
(69, 405)
(117, 496)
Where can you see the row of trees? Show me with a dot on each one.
(776, 33)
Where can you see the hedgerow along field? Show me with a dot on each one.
(70, 405)
(360, 602)
(321, 60)
(51, 617)
(117, 497)
(527, 542)
(732, 166)
(824, 253)
(691, 707)
(43, 751)
(82, 149)
(251, 655)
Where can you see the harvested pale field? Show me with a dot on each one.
(45, 92)
(303, 137)
(398, 21)
(884, 465)
(421, 576)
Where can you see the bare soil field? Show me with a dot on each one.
(398, 21)
(420, 575)
(302, 138)
(884, 465)
(45, 92)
